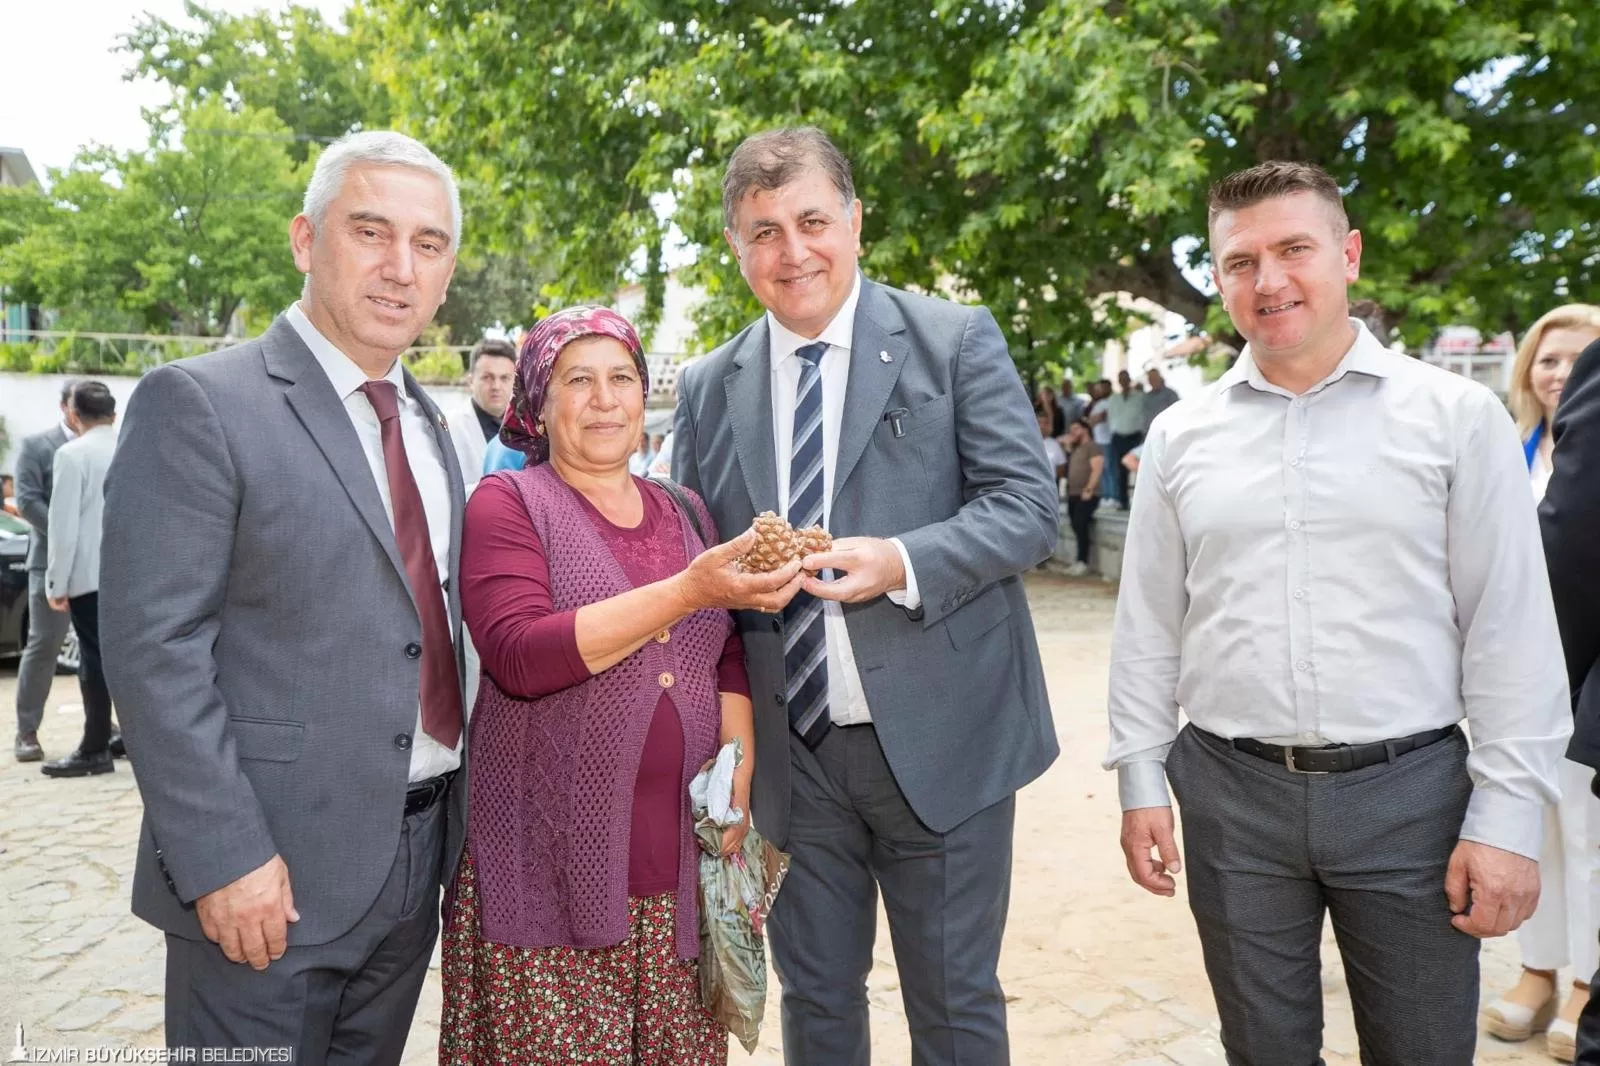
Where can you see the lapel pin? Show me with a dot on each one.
(442, 424)
(886, 357)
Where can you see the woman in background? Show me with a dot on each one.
(1562, 931)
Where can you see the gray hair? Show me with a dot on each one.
(383, 148)
(773, 159)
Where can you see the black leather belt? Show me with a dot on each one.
(424, 794)
(1338, 758)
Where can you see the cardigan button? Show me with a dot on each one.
(663, 636)
(666, 680)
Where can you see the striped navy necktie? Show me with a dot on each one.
(805, 644)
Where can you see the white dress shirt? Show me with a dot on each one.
(847, 700)
(429, 758)
(1351, 565)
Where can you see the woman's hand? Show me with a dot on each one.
(733, 836)
(714, 580)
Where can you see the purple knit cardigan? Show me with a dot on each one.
(552, 779)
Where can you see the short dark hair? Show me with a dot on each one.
(93, 402)
(773, 159)
(1084, 422)
(496, 347)
(1270, 180)
(66, 390)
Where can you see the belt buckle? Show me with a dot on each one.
(1288, 764)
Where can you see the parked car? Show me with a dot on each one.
(14, 536)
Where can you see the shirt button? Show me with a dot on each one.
(413, 650)
(778, 697)
(1299, 594)
(666, 680)
(663, 636)
(403, 741)
(1302, 666)
(1295, 461)
(1294, 525)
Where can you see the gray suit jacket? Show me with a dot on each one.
(955, 688)
(35, 466)
(255, 619)
(77, 500)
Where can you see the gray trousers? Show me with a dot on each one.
(349, 1001)
(852, 834)
(46, 630)
(1268, 851)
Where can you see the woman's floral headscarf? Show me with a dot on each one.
(536, 361)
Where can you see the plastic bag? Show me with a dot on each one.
(736, 895)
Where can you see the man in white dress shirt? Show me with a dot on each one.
(1329, 565)
(476, 420)
(286, 660)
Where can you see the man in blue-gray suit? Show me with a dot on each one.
(282, 635)
(900, 701)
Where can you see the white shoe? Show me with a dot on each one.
(1513, 1021)
(1077, 570)
(1562, 1040)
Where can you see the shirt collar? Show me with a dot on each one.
(342, 371)
(1366, 356)
(71, 435)
(839, 333)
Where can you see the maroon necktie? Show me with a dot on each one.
(441, 692)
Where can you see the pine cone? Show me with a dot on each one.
(813, 540)
(775, 545)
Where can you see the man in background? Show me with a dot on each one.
(46, 628)
(1125, 416)
(72, 568)
(1073, 406)
(1084, 463)
(1160, 397)
(476, 420)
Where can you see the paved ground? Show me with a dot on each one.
(1096, 972)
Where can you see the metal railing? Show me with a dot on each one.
(91, 352)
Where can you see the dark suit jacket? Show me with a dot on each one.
(256, 627)
(35, 476)
(955, 688)
(1570, 520)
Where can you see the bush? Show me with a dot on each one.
(17, 358)
(436, 366)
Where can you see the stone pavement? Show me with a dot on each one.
(1095, 971)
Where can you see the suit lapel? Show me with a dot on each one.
(879, 332)
(748, 390)
(320, 410)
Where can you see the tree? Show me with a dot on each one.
(293, 64)
(179, 236)
(1036, 157)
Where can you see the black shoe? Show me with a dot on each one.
(79, 765)
(28, 750)
(117, 748)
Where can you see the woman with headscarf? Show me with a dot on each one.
(611, 673)
(1561, 930)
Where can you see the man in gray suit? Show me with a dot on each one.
(72, 573)
(900, 701)
(282, 634)
(46, 628)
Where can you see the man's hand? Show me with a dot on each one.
(1145, 829)
(59, 603)
(248, 919)
(871, 567)
(1501, 887)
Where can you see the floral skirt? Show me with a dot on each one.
(635, 1004)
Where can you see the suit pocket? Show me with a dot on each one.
(267, 739)
(925, 417)
(976, 617)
